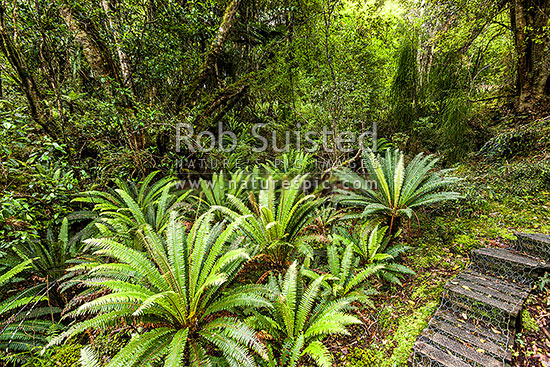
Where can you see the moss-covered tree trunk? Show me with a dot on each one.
(26, 80)
(530, 21)
(94, 48)
(195, 86)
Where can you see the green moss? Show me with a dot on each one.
(364, 357)
(529, 324)
(468, 242)
(408, 329)
(66, 355)
(407, 333)
(109, 344)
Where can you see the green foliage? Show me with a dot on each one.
(400, 189)
(36, 181)
(407, 333)
(371, 246)
(342, 280)
(64, 355)
(124, 210)
(53, 255)
(7, 276)
(448, 91)
(108, 343)
(19, 331)
(290, 165)
(177, 293)
(215, 192)
(404, 89)
(543, 282)
(326, 217)
(274, 222)
(455, 129)
(422, 71)
(88, 358)
(509, 144)
(364, 357)
(301, 320)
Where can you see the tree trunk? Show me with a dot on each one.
(95, 51)
(13, 54)
(123, 59)
(194, 89)
(529, 19)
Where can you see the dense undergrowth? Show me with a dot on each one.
(502, 196)
(132, 235)
(502, 193)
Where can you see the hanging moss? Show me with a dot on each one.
(404, 90)
(454, 126)
(447, 86)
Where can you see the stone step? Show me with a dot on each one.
(474, 327)
(490, 299)
(508, 264)
(425, 355)
(451, 340)
(534, 244)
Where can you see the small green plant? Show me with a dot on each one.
(53, 255)
(300, 320)
(274, 223)
(215, 192)
(325, 218)
(176, 295)
(343, 281)
(400, 188)
(372, 247)
(544, 281)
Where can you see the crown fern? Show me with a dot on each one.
(301, 320)
(371, 244)
(275, 224)
(399, 189)
(128, 207)
(177, 293)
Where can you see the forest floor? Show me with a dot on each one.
(489, 215)
(533, 340)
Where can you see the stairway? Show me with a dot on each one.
(479, 313)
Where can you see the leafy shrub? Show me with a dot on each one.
(399, 189)
(176, 294)
(275, 224)
(301, 319)
(508, 144)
